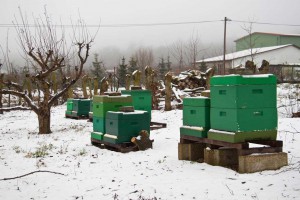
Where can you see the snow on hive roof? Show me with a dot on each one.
(243, 53)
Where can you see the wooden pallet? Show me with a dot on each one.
(270, 146)
(122, 147)
(157, 125)
(76, 117)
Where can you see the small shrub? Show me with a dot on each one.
(17, 149)
(40, 152)
(82, 152)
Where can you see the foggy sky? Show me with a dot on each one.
(113, 12)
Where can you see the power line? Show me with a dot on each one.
(265, 23)
(113, 25)
(144, 24)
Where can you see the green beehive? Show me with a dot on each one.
(122, 126)
(141, 99)
(69, 104)
(193, 131)
(97, 135)
(262, 79)
(196, 111)
(81, 106)
(243, 96)
(91, 106)
(104, 103)
(99, 124)
(241, 120)
(236, 137)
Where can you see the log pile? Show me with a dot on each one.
(190, 79)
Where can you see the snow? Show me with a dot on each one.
(243, 53)
(94, 173)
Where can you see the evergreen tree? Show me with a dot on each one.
(162, 69)
(169, 64)
(122, 72)
(98, 69)
(203, 67)
(132, 65)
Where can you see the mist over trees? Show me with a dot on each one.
(181, 53)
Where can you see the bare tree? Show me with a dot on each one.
(193, 49)
(177, 51)
(251, 41)
(144, 57)
(46, 48)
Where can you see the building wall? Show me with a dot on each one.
(265, 40)
(289, 54)
(285, 55)
(290, 40)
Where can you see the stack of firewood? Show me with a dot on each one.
(191, 79)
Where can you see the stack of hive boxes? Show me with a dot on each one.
(122, 126)
(196, 116)
(81, 107)
(141, 99)
(243, 108)
(78, 107)
(69, 107)
(101, 105)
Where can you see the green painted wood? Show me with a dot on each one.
(141, 99)
(112, 99)
(97, 135)
(196, 101)
(99, 124)
(252, 119)
(236, 137)
(262, 79)
(193, 131)
(196, 116)
(243, 96)
(81, 106)
(124, 125)
(101, 108)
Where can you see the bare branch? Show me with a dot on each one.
(22, 95)
(5, 179)
(15, 108)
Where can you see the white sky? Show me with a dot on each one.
(107, 12)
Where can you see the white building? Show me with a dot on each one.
(275, 55)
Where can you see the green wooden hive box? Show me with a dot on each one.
(141, 99)
(196, 111)
(122, 126)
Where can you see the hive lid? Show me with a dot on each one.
(136, 115)
(111, 99)
(135, 91)
(234, 79)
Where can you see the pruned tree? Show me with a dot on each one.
(46, 48)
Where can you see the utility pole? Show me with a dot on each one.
(224, 46)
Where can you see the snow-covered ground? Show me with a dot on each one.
(88, 172)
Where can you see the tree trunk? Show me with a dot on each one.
(168, 78)
(44, 116)
(1, 112)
